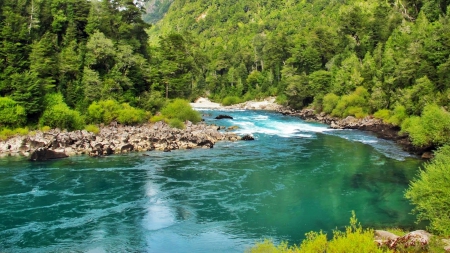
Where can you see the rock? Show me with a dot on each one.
(427, 155)
(44, 154)
(232, 128)
(446, 243)
(385, 235)
(223, 117)
(248, 137)
(126, 148)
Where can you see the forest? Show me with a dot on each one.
(63, 61)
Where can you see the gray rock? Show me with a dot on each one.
(44, 154)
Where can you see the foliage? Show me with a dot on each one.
(6, 133)
(231, 100)
(430, 192)
(383, 114)
(158, 118)
(106, 111)
(353, 239)
(92, 128)
(60, 115)
(129, 115)
(355, 104)
(180, 109)
(11, 114)
(176, 123)
(329, 102)
(431, 128)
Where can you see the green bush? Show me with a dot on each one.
(353, 239)
(355, 104)
(153, 101)
(330, 101)
(107, 111)
(358, 112)
(281, 99)
(431, 128)
(95, 113)
(92, 128)
(6, 134)
(399, 115)
(21, 131)
(45, 129)
(383, 114)
(104, 111)
(11, 114)
(176, 123)
(157, 118)
(231, 100)
(53, 99)
(60, 115)
(129, 115)
(430, 192)
(182, 110)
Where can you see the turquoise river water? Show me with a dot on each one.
(294, 178)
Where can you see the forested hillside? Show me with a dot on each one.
(388, 58)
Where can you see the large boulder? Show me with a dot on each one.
(44, 154)
(223, 117)
(248, 137)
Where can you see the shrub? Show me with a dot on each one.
(355, 104)
(21, 131)
(176, 123)
(45, 128)
(92, 128)
(11, 114)
(153, 102)
(353, 239)
(107, 111)
(180, 109)
(399, 115)
(60, 115)
(330, 101)
(383, 114)
(130, 115)
(231, 100)
(6, 134)
(281, 99)
(431, 128)
(157, 118)
(95, 113)
(430, 192)
(358, 112)
(53, 99)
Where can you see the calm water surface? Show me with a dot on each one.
(294, 178)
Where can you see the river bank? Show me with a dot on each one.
(113, 139)
(376, 126)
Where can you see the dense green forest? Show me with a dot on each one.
(67, 63)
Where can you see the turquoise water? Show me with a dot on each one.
(294, 178)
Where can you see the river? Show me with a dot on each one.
(295, 177)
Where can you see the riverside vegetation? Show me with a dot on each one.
(70, 63)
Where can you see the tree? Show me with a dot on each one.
(430, 192)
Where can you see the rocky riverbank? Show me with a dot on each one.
(113, 139)
(376, 126)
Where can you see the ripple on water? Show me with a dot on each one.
(296, 177)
